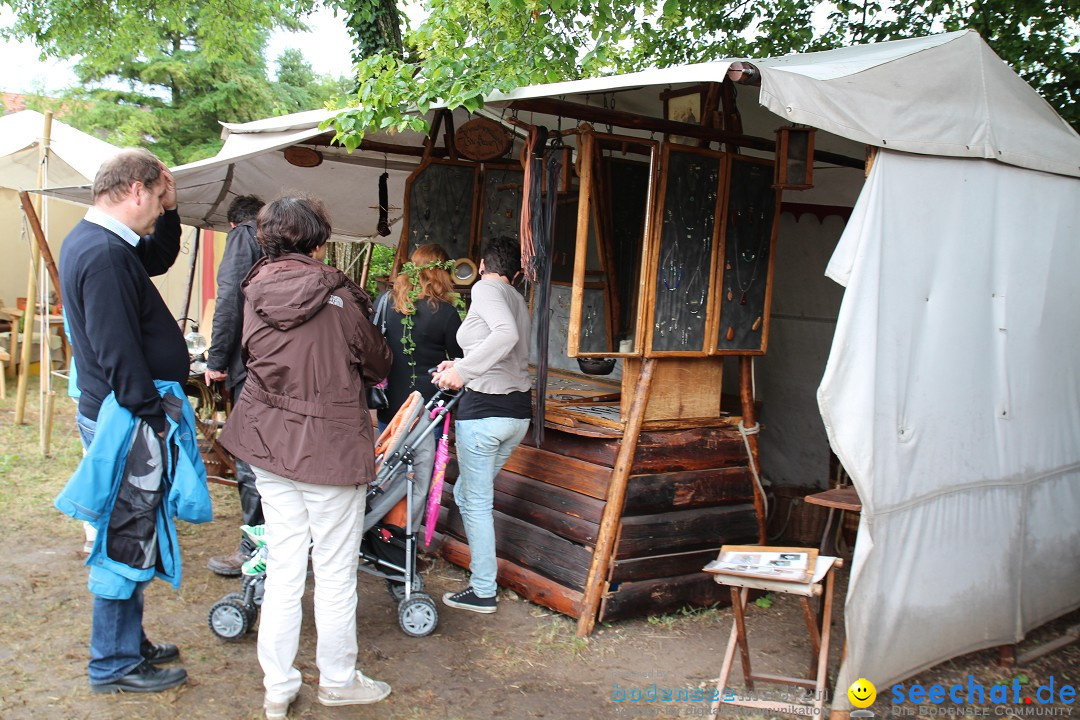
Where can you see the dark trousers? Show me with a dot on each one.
(250, 500)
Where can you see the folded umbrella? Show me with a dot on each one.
(442, 456)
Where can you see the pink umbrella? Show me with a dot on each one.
(442, 456)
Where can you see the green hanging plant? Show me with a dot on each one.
(412, 271)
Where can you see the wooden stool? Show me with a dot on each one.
(819, 637)
(844, 499)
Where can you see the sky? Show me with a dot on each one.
(327, 48)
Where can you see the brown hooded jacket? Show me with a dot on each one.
(310, 351)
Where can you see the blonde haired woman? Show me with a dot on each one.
(421, 324)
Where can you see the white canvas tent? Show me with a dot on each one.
(74, 158)
(952, 387)
(252, 163)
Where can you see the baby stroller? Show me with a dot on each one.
(388, 546)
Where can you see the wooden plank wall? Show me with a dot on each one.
(689, 492)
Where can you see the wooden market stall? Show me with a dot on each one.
(661, 267)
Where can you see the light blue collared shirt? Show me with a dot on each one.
(93, 215)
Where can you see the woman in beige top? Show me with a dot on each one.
(493, 414)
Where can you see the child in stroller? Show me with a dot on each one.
(395, 501)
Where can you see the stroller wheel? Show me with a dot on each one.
(251, 611)
(418, 616)
(396, 588)
(228, 619)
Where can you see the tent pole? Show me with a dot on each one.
(746, 394)
(616, 496)
(31, 289)
(190, 282)
(45, 368)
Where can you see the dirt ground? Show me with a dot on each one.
(522, 662)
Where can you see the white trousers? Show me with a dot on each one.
(327, 518)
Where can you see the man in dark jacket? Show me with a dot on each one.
(224, 362)
(124, 337)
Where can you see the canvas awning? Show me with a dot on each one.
(74, 156)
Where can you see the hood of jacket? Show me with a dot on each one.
(288, 291)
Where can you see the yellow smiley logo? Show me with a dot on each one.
(862, 693)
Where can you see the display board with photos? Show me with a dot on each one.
(786, 564)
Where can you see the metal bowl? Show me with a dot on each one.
(596, 366)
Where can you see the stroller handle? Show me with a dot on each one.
(429, 418)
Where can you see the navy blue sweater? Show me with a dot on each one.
(122, 334)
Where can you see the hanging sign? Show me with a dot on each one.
(482, 139)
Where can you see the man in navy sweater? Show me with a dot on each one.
(123, 338)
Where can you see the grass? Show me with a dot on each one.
(686, 615)
(560, 635)
(28, 480)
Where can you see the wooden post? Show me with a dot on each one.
(31, 290)
(616, 495)
(48, 394)
(365, 269)
(746, 394)
(39, 236)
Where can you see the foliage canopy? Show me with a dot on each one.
(165, 73)
(466, 49)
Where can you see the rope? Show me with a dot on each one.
(746, 432)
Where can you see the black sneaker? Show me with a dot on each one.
(467, 600)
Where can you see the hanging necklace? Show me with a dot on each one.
(750, 255)
(454, 208)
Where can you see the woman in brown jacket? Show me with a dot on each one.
(302, 424)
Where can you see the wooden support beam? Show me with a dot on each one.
(731, 119)
(710, 116)
(680, 530)
(746, 394)
(365, 268)
(39, 237)
(590, 113)
(326, 140)
(609, 525)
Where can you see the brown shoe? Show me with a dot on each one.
(227, 565)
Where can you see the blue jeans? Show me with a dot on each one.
(483, 447)
(116, 632)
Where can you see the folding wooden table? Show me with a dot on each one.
(819, 638)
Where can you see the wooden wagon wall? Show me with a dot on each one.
(690, 491)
